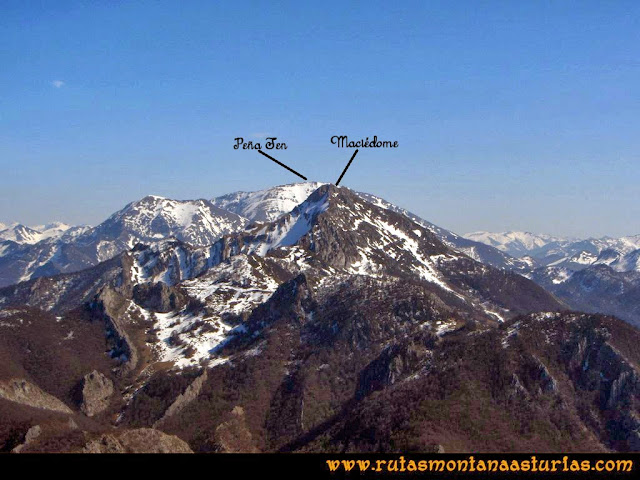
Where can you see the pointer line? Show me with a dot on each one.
(347, 167)
(282, 164)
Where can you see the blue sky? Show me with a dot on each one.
(510, 115)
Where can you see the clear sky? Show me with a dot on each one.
(510, 115)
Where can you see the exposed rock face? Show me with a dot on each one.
(96, 393)
(232, 436)
(32, 434)
(394, 362)
(516, 389)
(599, 359)
(25, 393)
(105, 444)
(631, 426)
(113, 306)
(159, 297)
(548, 384)
(190, 394)
(142, 440)
(600, 366)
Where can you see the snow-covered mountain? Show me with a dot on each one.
(198, 222)
(21, 234)
(330, 237)
(270, 204)
(266, 205)
(154, 218)
(149, 220)
(342, 324)
(517, 244)
(477, 250)
(547, 250)
(595, 274)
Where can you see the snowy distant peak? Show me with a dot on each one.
(623, 245)
(152, 198)
(149, 220)
(58, 227)
(267, 205)
(628, 262)
(30, 235)
(21, 234)
(514, 243)
(530, 242)
(584, 258)
(619, 261)
(176, 213)
(618, 253)
(633, 241)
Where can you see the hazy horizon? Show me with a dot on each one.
(509, 117)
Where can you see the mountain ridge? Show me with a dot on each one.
(332, 235)
(154, 218)
(291, 335)
(595, 275)
(550, 261)
(550, 250)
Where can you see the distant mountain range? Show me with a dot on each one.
(594, 275)
(21, 234)
(149, 220)
(306, 317)
(517, 244)
(619, 253)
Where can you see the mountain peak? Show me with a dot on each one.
(269, 204)
(336, 228)
(153, 218)
(21, 234)
(153, 197)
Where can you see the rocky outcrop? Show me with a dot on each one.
(113, 306)
(104, 444)
(159, 297)
(96, 390)
(233, 436)
(142, 440)
(25, 393)
(548, 384)
(516, 389)
(596, 365)
(32, 434)
(621, 387)
(190, 394)
(631, 427)
(395, 362)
